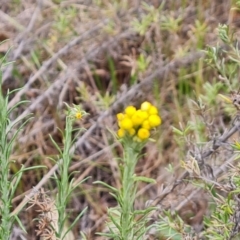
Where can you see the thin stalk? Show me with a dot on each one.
(128, 193)
(64, 182)
(6, 222)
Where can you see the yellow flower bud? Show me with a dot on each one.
(145, 106)
(131, 131)
(136, 139)
(154, 120)
(143, 133)
(126, 123)
(120, 124)
(130, 110)
(144, 115)
(121, 132)
(120, 116)
(146, 125)
(139, 117)
(78, 115)
(152, 110)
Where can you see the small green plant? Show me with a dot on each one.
(53, 221)
(225, 59)
(223, 220)
(8, 182)
(64, 182)
(172, 226)
(152, 16)
(199, 31)
(170, 23)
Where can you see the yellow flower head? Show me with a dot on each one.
(143, 133)
(132, 132)
(152, 110)
(130, 110)
(76, 112)
(126, 123)
(121, 132)
(120, 116)
(146, 125)
(145, 106)
(138, 117)
(154, 120)
(78, 115)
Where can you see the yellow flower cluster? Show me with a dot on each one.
(137, 123)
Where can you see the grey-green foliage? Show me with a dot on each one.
(8, 182)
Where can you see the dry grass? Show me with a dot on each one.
(84, 52)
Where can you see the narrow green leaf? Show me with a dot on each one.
(106, 185)
(114, 195)
(20, 223)
(115, 222)
(144, 179)
(74, 222)
(177, 131)
(56, 145)
(145, 211)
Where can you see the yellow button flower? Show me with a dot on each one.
(146, 125)
(120, 116)
(143, 133)
(136, 139)
(154, 120)
(153, 110)
(130, 110)
(120, 124)
(139, 117)
(131, 131)
(145, 106)
(126, 124)
(121, 132)
(143, 114)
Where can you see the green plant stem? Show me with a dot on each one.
(64, 187)
(6, 224)
(128, 192)
(5, 209)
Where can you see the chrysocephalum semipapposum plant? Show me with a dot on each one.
(64, 182)
(135, 126)
(53, 221)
